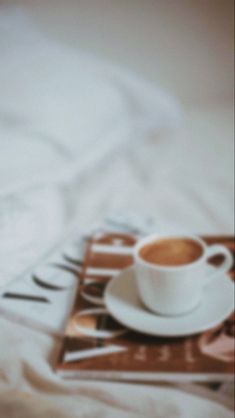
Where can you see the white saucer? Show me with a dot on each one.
(123, 303)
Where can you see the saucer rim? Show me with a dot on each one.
(166, 334)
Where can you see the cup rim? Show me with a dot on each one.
(154, 237)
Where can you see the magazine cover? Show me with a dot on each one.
(97, 346)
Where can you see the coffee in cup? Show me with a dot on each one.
(171, 251)
(173, 271)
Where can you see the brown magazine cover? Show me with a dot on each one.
(97, 347)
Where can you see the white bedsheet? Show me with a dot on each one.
(190, 187)
(185, 182)
(61, 113)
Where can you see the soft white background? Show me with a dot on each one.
(183, 45)
(185, 180)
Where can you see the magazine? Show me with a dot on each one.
(96, 346)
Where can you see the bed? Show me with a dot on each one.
(174, 160)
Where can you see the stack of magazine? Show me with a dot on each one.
(96, 346)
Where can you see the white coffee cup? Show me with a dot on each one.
(176, 290)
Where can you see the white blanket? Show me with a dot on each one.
(62, 114)
(185, 182)
(29, 387)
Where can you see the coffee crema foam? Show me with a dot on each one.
(171, 251)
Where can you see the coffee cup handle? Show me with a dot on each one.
(226, 264)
